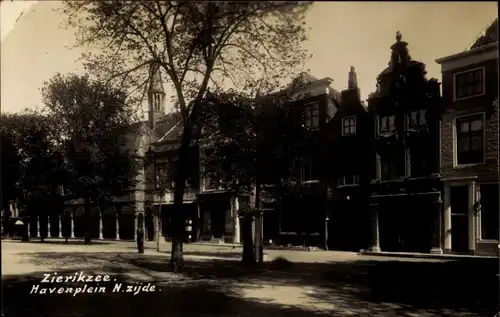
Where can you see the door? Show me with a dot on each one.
(459, 218)
(150, 226)
(218, 217)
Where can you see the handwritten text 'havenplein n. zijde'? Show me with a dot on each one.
(92, 284)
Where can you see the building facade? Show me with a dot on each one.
(469, 147)
(210, 205)
(299, 215)
(214, 204)
(405, 197)
(350, 168)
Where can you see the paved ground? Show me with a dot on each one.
(214, 284)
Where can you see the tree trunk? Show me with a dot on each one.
(249, 230)
(177, 258)
(86, 217)
(258, 229)
(248, 257)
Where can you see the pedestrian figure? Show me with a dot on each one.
(140, 235)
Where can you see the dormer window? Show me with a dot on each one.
(311, 116)
(349, 126)
(387, 124)
(416, 119)
(157, 102)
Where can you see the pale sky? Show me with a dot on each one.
(343, 34)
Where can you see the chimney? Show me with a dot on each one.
(353, 80)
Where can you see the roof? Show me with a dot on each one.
(488, 36)
(304, 79)
(487, 40)
(168, 129)
(410, 63)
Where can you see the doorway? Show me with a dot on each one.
(150, 226)
(459, 218)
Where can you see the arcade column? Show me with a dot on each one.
(374, 209)
(38, 227)
(72, 224)
(117, 215)
(60, 225)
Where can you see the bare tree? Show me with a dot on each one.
(198, 45)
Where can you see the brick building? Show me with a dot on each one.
(298, 216)
(350, 168)
(212, 205)
(469, 146)
(405, 197)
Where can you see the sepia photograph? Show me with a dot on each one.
(249, 158)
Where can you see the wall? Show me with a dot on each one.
(487, 172)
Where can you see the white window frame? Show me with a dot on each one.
(455, 140)
(483, 69)
(479, 229)
(346, 120)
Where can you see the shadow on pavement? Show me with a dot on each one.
(62, 242)
(200, 299)
(224, 288)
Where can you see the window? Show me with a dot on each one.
(349, 125)
(389, 169)
(209, 169)
(162, 175)
(311, 116)
(416, 119)
(209, 177)
(470, 83)
(310, 171)
(469, 138)
(352, 179)
(489, 211)
(419, 163)
(157, 102)
(387, 124)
